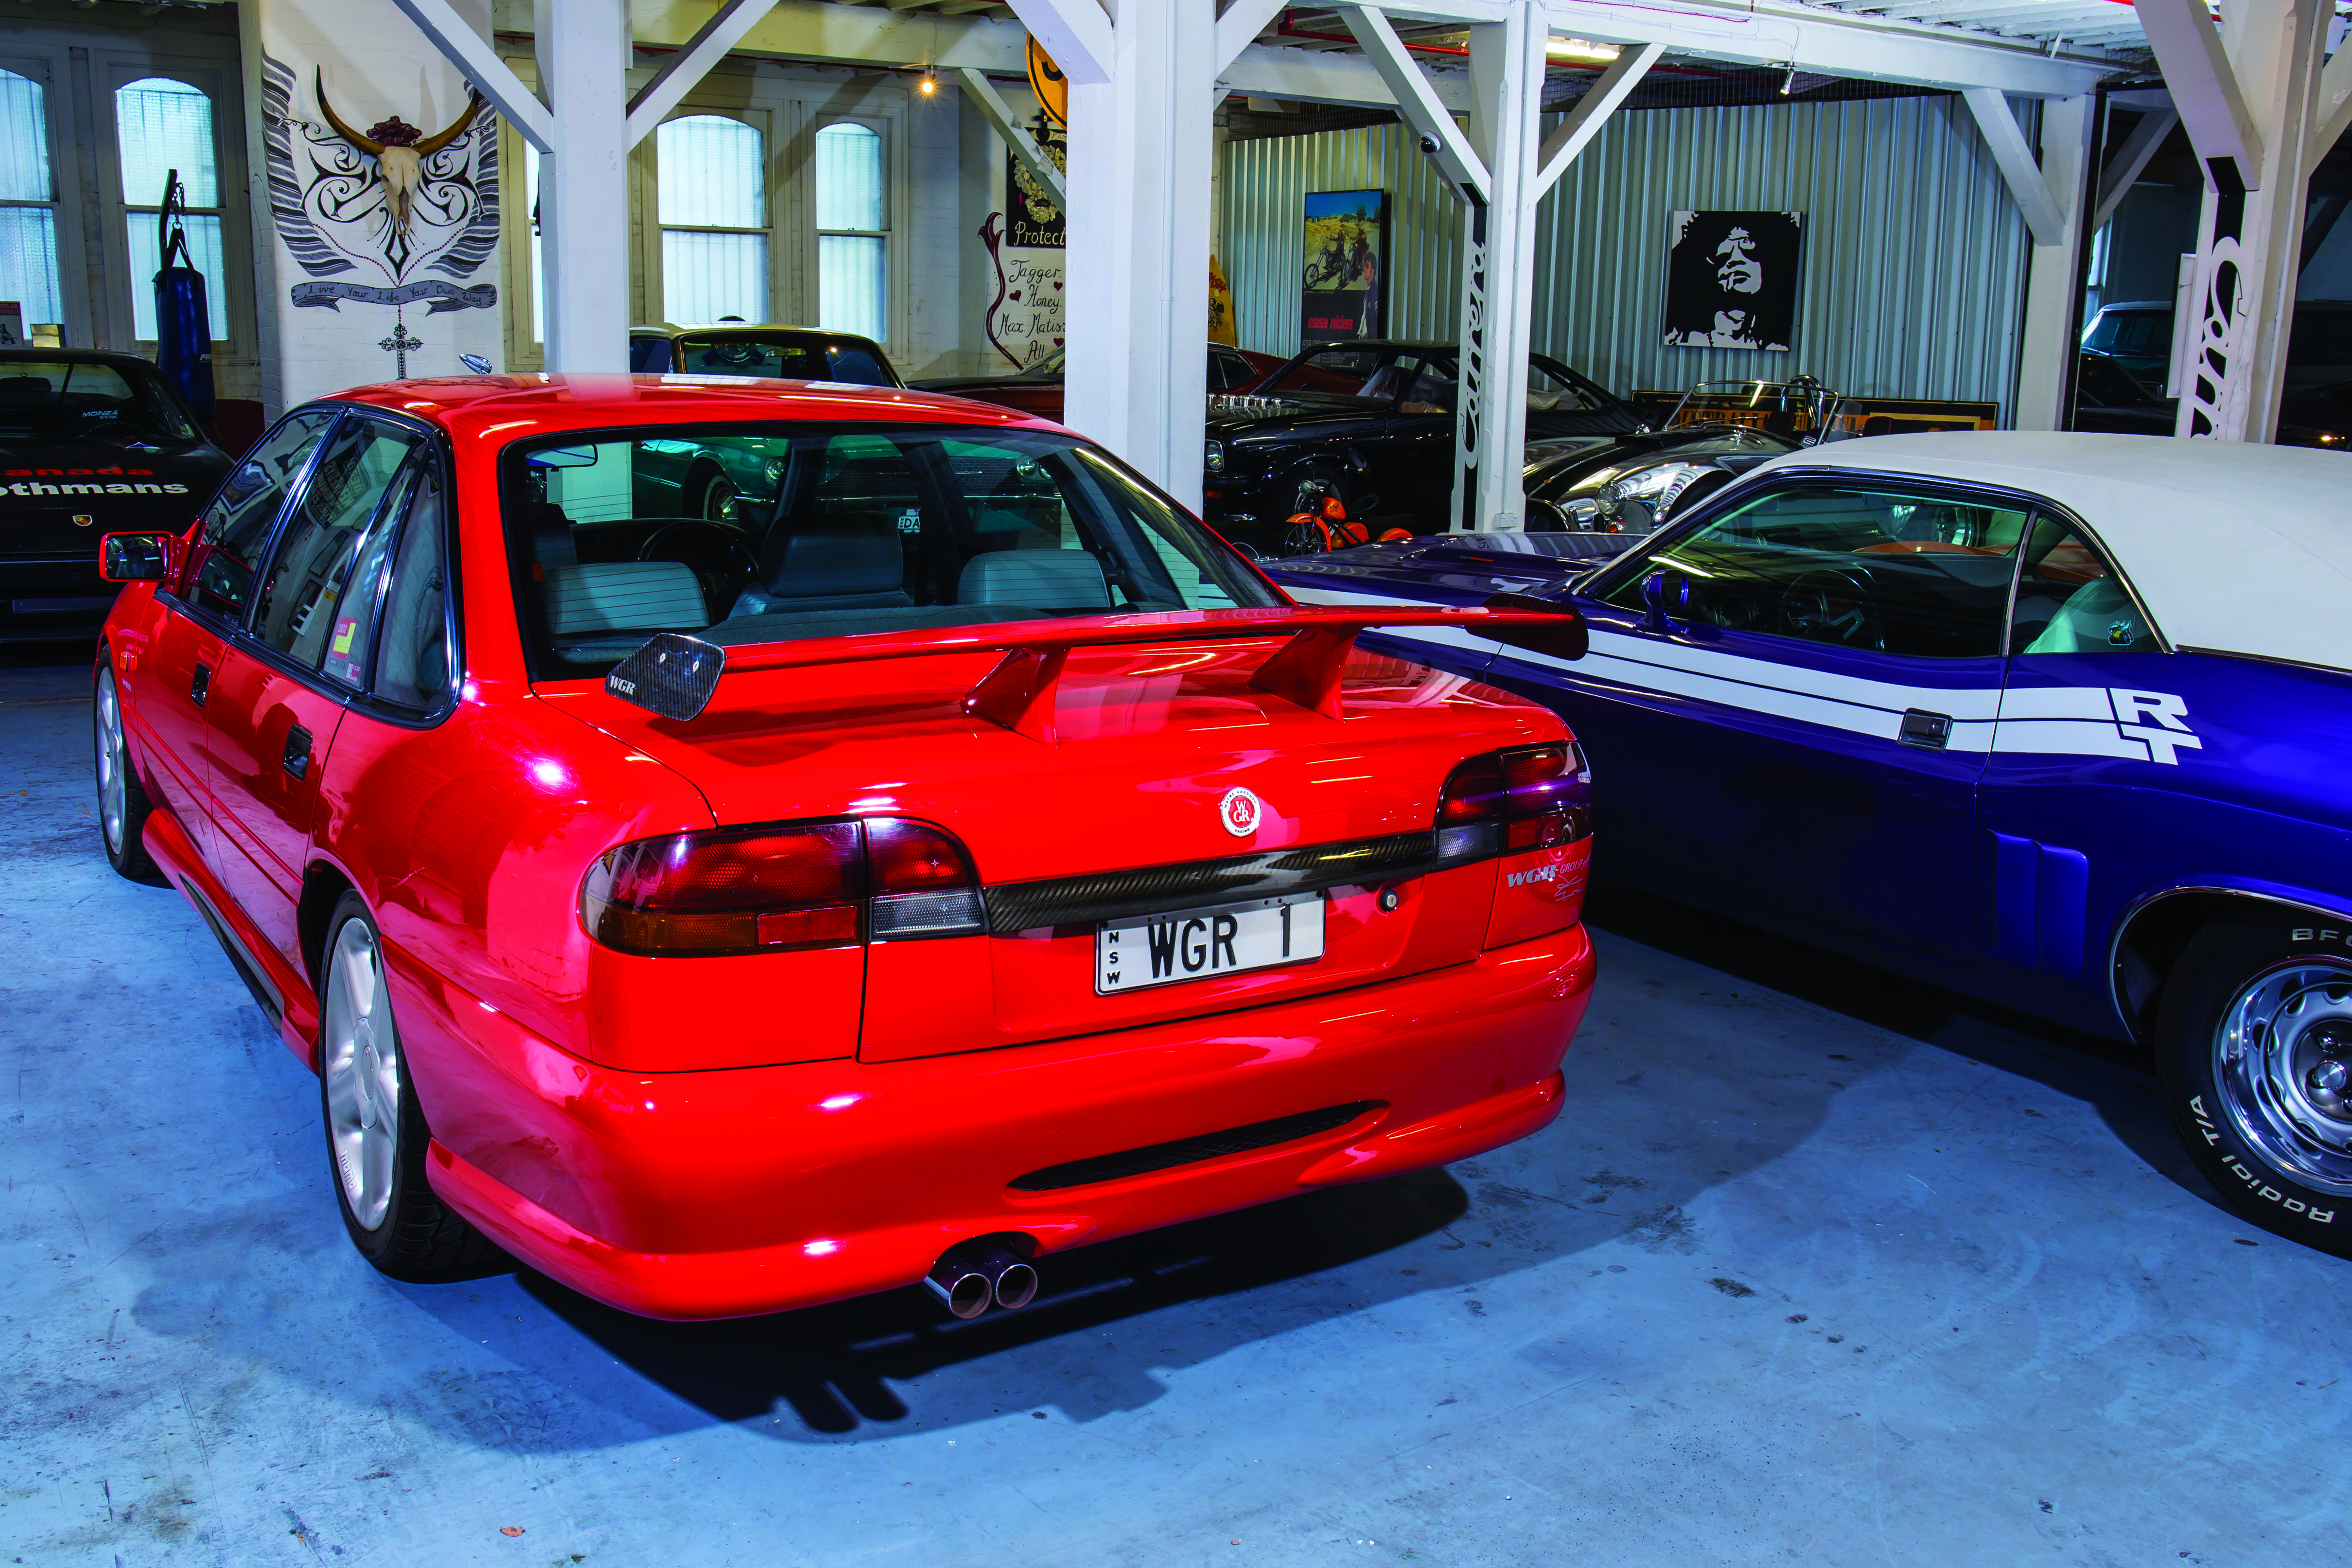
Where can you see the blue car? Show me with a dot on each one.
(2063, 722)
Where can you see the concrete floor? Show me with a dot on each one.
(1827, 1270)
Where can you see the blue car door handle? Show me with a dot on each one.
(1920, 728)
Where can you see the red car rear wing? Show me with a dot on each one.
(675, 675)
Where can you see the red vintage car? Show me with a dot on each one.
(969, 858)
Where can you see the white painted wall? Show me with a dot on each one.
(377, 64)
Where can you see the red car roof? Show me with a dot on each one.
(505, 407)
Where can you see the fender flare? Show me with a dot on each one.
(2150, 902)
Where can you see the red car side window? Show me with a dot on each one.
(237, 523)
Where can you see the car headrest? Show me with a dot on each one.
(550, 532)
(1042, 579)
(623, 596)
(854, 552)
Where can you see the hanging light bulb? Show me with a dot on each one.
(928, 83)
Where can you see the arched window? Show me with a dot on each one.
(712, 172)
(161, 125)
(29, 208)
(852, 225)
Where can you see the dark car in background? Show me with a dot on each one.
(1372, 423)
(790, 354)
(1038, 389)
(2111, 399)
(2138, 334)
(91, 443)
(1628, 483)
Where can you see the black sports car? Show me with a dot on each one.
(1372, 423)
(90, 444)
(1627, 484)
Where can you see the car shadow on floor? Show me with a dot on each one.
(833, 1366)
(2114, 1077)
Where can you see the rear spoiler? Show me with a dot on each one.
(675, 675)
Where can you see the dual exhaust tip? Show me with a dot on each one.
(975, 1276)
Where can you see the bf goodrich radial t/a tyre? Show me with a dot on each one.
(123, 806)
(2253, 1041)
(376, 1132)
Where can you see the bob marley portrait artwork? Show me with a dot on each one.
(1731, 279)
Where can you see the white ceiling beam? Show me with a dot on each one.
(827, 34)
(1314, 76)
(479, 64)
(1238, 29)
(2123, 171)
(1417, 101)
(2044, 215)
(685, 70)
(1076, 33)
(2204, 87)
(2332, 113)
(1017, 140)
(1830, 43)
(1584, 121)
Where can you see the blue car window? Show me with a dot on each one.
(1868, 567)
(2069, 600)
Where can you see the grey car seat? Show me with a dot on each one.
(1038, 579)
(849, 560)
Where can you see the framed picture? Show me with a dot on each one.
(1344, 289)
(1731, 279)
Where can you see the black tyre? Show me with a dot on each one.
(375, 1130)
(714, 499)
(2253, 1042)
(122, 805)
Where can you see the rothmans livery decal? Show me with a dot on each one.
(2062, 720)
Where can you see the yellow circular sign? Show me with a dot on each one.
(1052, 88)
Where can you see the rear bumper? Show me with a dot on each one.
(753, 1190)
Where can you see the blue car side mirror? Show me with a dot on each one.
(1663, 597)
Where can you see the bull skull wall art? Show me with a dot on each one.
(399, 149)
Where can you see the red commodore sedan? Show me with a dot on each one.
(967, 858)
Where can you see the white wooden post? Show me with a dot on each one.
(2249, 99)
(1142, 101)
(1507, 76)
(583, 191)
(2052, 326)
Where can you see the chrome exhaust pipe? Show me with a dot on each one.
(964, 1289)
(973, 1277)
(1011, 1280)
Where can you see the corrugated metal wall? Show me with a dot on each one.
(1914, 254)
(1262, 243)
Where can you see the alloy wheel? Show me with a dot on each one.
(360, 1056)
(113, 795)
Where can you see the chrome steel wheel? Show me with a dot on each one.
(718, 501)
(359, 1059)
(113, 793)
(2283, 1062)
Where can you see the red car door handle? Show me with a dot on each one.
(296, 759)
(200, 684)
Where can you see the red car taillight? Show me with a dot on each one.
(780, 887)
(924, 884)
(1531, 808)
(1504, 803)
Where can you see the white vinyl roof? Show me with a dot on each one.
(2233, 546)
